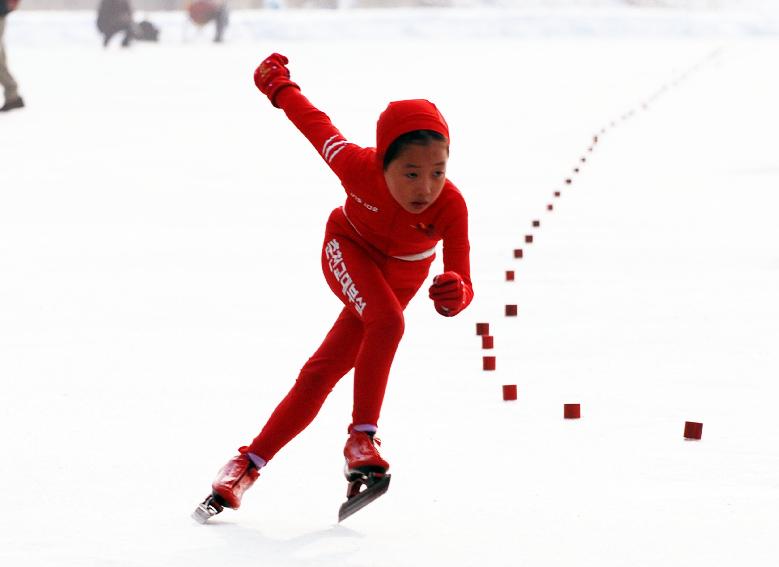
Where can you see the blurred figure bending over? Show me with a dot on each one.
(202, 12)
(10, 88)
(114, 16)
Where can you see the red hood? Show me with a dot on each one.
(403, 116)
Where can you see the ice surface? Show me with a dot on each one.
(160, 229)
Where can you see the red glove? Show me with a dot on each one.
(450, 293)
(272, 75)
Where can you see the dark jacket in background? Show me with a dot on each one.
(114, 15)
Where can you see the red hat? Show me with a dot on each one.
(403, 116)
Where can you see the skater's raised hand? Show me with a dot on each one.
(450, 293)
(272, 75)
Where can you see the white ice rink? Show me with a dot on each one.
(160, 287)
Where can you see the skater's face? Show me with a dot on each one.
(417, 175)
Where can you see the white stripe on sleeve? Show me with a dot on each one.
(332, 147)
(336, 152)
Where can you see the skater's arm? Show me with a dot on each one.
(317, 127)
(452, 291)
(273, 79)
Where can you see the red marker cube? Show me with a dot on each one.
(510, 392)
(536, 223)
(528, 239)
(518, 253)
(487, 341)
(568, 181)
(488, 362)
(572, 411)
(509, 275)
(482, 328)
(557, 193)
(511, 310)
(693, 430)
(549, 207)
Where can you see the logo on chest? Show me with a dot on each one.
(372, 208)
(426, 229)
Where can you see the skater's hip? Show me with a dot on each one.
(404, 276)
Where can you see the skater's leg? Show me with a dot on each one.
(372, 312)
(371, 368)
(334, 358)
(357, 280)
(361, 453)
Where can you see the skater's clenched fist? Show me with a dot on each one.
(450, 293)
(272, 75)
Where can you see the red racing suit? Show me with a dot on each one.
(375, 257)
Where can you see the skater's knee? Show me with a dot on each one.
(390, 324)
(316, 381)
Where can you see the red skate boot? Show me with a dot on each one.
(366, 472)
(362, 455)
(235, 478)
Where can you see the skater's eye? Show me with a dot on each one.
(412, 175)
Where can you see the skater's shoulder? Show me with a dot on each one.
(452, 199)
(359, 163)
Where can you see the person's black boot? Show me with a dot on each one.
(12, 104)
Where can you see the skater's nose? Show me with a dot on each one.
(426, 187)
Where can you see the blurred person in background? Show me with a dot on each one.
(114, 16)
(202, 12)
(10, 88)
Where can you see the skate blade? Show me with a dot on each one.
(373, 489)
(206, 510)
(201, 514)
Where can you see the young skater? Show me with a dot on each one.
(377, 252)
